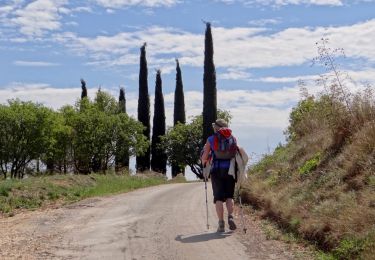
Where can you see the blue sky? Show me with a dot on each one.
(262, 48)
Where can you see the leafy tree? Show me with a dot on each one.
(84, 89)
(209, 82)
(183, 143)
(96, 130)
(25, 134)
(58, 154)
(122, 153)
(179, 109)
(158, 156)
(143, 162)
(107, 108)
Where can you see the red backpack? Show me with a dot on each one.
(224, 144)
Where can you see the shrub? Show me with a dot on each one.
(310, 165)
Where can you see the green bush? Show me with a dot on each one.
(310, 165)
(350, 248)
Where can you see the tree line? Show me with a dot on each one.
(96, 135)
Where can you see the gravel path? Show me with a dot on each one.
(162, 222)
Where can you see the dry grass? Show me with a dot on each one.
(321, 185)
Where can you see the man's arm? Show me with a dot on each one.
(206, 153)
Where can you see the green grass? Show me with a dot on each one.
(310, 165)
(36, 192)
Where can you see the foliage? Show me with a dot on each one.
(81, 138)
(97, 128)
(350, 248)
(209, 86)
(298, 114)
(143, 161)
(310, 165)
(25, 134)
(158, 156)
(58, 154)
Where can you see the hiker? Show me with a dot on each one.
(218, 151)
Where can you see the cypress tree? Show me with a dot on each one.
(179, 100)
(122, 154)
(81, 166)
(158, 156)
(84, 89)
(209, 83)
(122, 101)
(143, 162)
(179, 110)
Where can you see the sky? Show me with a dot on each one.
(262, 48)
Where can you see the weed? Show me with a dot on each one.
(310, 165)
(349, 248)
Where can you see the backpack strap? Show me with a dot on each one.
(216, 143)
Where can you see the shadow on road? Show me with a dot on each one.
(201, 237)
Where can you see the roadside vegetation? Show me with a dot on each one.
(320, 185)
(35, 192)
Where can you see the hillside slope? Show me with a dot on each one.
(321, 184)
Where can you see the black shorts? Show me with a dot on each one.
(222, 184)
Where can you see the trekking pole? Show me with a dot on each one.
(241, 212)
(205, 186)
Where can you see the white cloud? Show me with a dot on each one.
(265, 107)
(87, 9)
(278, 3)
(286, 79)
(125, 3)
(39, 16)
(235, 74)
(36, 18)
(350, 77)
(297, 2)
(240, 47)
(285, 3)
(35, 63)
(163, 46)
(264, 22)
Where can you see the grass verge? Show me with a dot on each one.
(36, 192)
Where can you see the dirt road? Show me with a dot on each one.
(163, 222)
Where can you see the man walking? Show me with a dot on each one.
(218, 151)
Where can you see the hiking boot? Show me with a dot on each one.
(221, 227)
(232, 225)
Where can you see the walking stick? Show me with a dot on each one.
(205, 186)
(241, 211)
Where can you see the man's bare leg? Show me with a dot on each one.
(219, 209)
(229, 203)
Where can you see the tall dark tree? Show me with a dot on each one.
(81, 165)
(158, 155)
(143, 162)
(84, 89)
(122, 101)
(209, 83)
(122, 153)
(179, 110)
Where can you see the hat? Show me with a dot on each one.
(220, 123)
